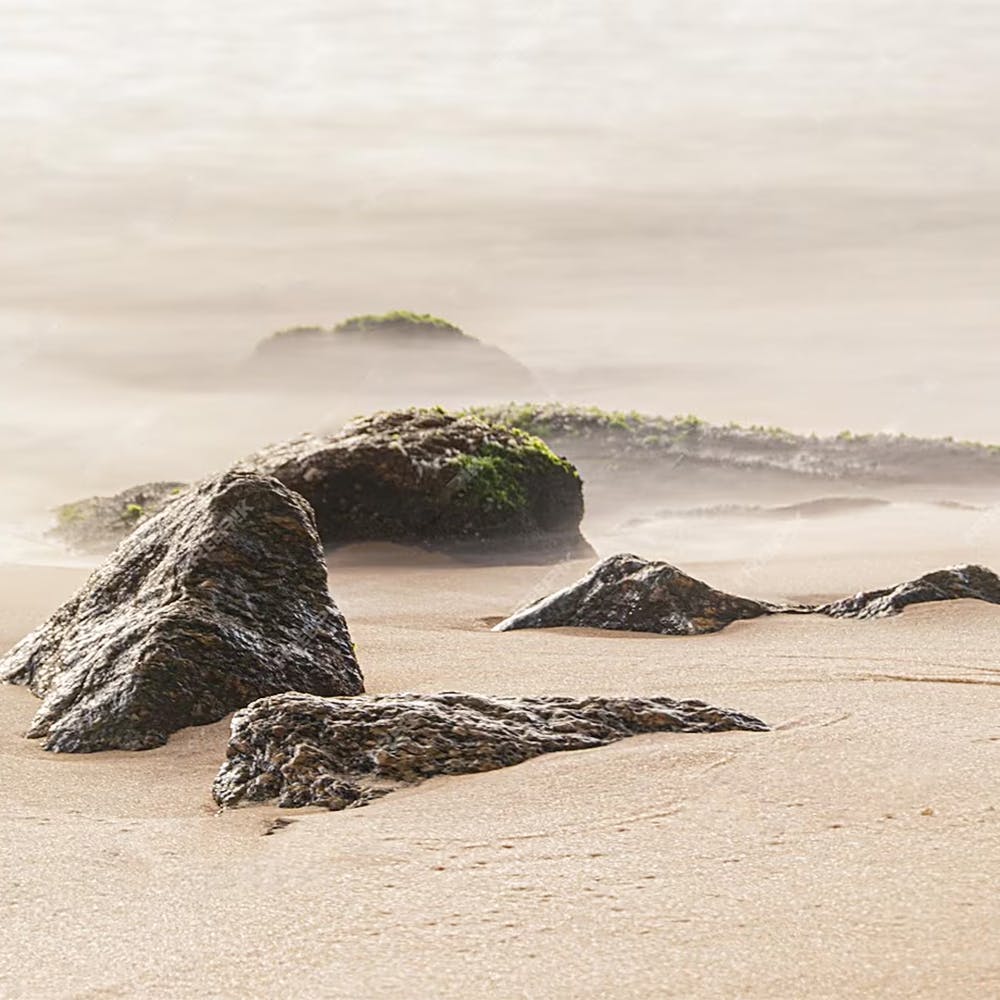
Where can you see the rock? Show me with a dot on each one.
(608, 445)
(341, 752)
(431, 478)
(399, 358)
(950, 584)
(626, 593)
(219, 599)
(97, 524)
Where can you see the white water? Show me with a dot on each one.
(768, 212)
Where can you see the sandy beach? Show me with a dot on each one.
(776, 223)
(849, 852)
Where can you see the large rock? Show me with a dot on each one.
(216, 601)
(626, 593)
(954, 583)
(432, 478)
(341, 752)
(395, 359)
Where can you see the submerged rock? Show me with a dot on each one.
(341, 752)
(431, 478)
(609, 445)
(219, 599)
(397, 358)
(626, 593)
(97, 524)
(950, 584)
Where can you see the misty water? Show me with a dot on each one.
(766, 212)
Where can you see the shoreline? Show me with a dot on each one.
(671, 865)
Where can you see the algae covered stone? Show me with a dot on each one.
(219, 599)
(605, 444)
(394, 358)
(340, 752)
(436, 479)
(97, 524)
(400, 323)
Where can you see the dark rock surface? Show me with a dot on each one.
(950, 584)
(97, 524)
(216, 601)
(341, 752)
(626, 593)
(432, 478)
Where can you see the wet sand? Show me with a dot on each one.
(851, 852)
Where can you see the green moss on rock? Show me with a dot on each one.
(602, 442)
(490, 481)
(398, 324)
(97, 524)
(399, 321)
(432, 478)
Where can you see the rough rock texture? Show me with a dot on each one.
(219, 599)
(97, 524)
(436, 479)
(626, 593)
(341, 752)
(950, 584)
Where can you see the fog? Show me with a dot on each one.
(766, 212)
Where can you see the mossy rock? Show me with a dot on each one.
(436, 479)
(392, 359)
(96, 524)
(400, 325)
(604, 442)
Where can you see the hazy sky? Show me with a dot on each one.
(769, 212)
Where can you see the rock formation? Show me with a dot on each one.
(950, 584)
(398, 358)
(627, 593)
(218, 600)
(608, 445)
(339, 752)
(431, 478)
(98, 524)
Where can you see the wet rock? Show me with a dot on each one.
(98, 524)
(950, 584)
(342, 752)
(218, 600)
(627, 593)
(435, 479)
